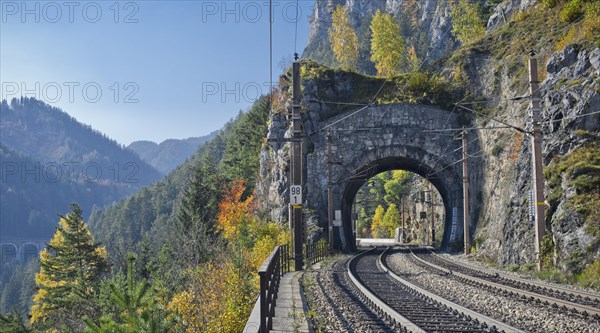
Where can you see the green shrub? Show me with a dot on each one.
(590, 277)
(572, 11)
(550, 3)
(554, 275)
(513, 267)
(581, 169)
(547, 251)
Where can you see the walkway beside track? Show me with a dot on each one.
(290, 312)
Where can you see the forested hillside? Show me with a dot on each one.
(27, 209)
(183, 221)
(49, 160)
(232, 154)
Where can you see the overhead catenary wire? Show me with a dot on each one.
(571, 118)
(493, 118)
(461, 105)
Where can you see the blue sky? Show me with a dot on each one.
(146, 70)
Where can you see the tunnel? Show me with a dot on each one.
(368, 171)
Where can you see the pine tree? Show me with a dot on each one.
(387, 45)
(12, 323)
(137, 308)
(197, 215)
(70, 269)
(343, 39)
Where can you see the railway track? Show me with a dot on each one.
(415, 309)
(584, 303)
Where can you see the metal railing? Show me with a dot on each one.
(315, 252)
(276, 264)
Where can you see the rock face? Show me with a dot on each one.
(505, 231)
(505, 10)
(565, 108)
(433, 19)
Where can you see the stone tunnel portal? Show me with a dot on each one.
(384, 138)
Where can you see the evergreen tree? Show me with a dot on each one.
(9, 298)
(70, 269)
(363, 224)
(12, 323)
(137, 308)
(387, 45)
(197, 214)
(241, 154)
(343, 39)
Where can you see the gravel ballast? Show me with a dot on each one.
(529, 316)
(335, 304)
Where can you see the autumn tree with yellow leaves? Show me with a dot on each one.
(377, 228)
(221, 293)
(343, 39)
(467, 20)
(71, 267)
(387, 45)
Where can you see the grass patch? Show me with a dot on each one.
(590, 277)
(582, 171)
(513, 267)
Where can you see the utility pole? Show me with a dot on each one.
(467, 239)
(538, 176)
(403, 239)
(432, 214)
(296, 167)
(330, 187)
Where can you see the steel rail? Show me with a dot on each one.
(408, 305)
(580, 293)
(405, 322)
(482, 318)
(584, 309)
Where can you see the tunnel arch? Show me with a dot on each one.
(447, 184)
(382, 138)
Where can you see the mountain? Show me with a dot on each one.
(167, 155)
(49, 160)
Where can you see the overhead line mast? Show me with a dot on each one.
(296, 167)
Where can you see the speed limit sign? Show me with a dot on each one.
(295, 195)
